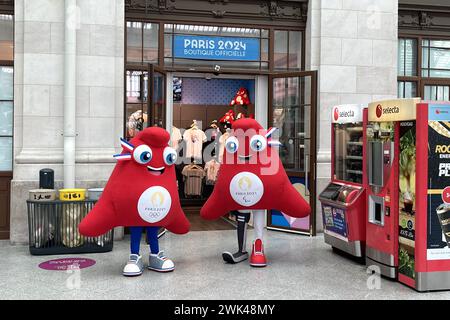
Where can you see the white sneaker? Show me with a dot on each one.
(159, 262)
(134, 266)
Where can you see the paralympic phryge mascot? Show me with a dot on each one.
(141, 193)
(252, 179)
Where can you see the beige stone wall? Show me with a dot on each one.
(353, 44)
(39, 95)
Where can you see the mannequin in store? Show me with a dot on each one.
(141, 193)
(252, 179)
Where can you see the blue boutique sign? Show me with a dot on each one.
(216, 48)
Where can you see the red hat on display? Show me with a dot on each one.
(241, 98)
(229, 117)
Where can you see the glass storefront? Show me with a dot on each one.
(200, 103)
(156, 43)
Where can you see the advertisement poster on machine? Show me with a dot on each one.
(407, 198)
(438, 238)
(335, 222)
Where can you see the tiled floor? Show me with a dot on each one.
(300, 268)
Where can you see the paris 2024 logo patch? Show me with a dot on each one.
(154, 204)
(246, 189)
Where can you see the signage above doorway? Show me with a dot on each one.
(216, 48)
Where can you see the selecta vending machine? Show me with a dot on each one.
(408, 191)
(344, 200)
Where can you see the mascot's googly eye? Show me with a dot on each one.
(170, 156)
(258, 143)
(232, 144)
(142, 154)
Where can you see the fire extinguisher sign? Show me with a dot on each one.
(438, 238)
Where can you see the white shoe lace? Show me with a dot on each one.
(134, 258)
(162, 256)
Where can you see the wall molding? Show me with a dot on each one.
(43, 156)
(261, 12)
(426, 19)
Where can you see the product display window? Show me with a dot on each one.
(348, 152)
(199, 167)
(203, 114)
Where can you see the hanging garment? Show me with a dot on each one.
(222, 140)
(175, 138)
(193, 180)
(194, 143)
(211, 170)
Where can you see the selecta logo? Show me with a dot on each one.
(343, 114)
(380, 111)
(439, 111)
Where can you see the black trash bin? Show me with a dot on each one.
(46, 179)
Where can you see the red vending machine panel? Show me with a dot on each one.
(343, 200)
(386, 120)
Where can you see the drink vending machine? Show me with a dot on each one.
(344, 200)
(408, 191)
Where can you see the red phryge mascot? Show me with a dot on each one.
(141, 193)
(252, 179)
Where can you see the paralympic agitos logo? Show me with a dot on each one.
(388, 110)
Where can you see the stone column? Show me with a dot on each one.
(38, 97)
(353, 44)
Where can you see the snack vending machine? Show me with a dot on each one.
(408, 191)
(343, 200)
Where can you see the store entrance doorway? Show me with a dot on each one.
(203, 110)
